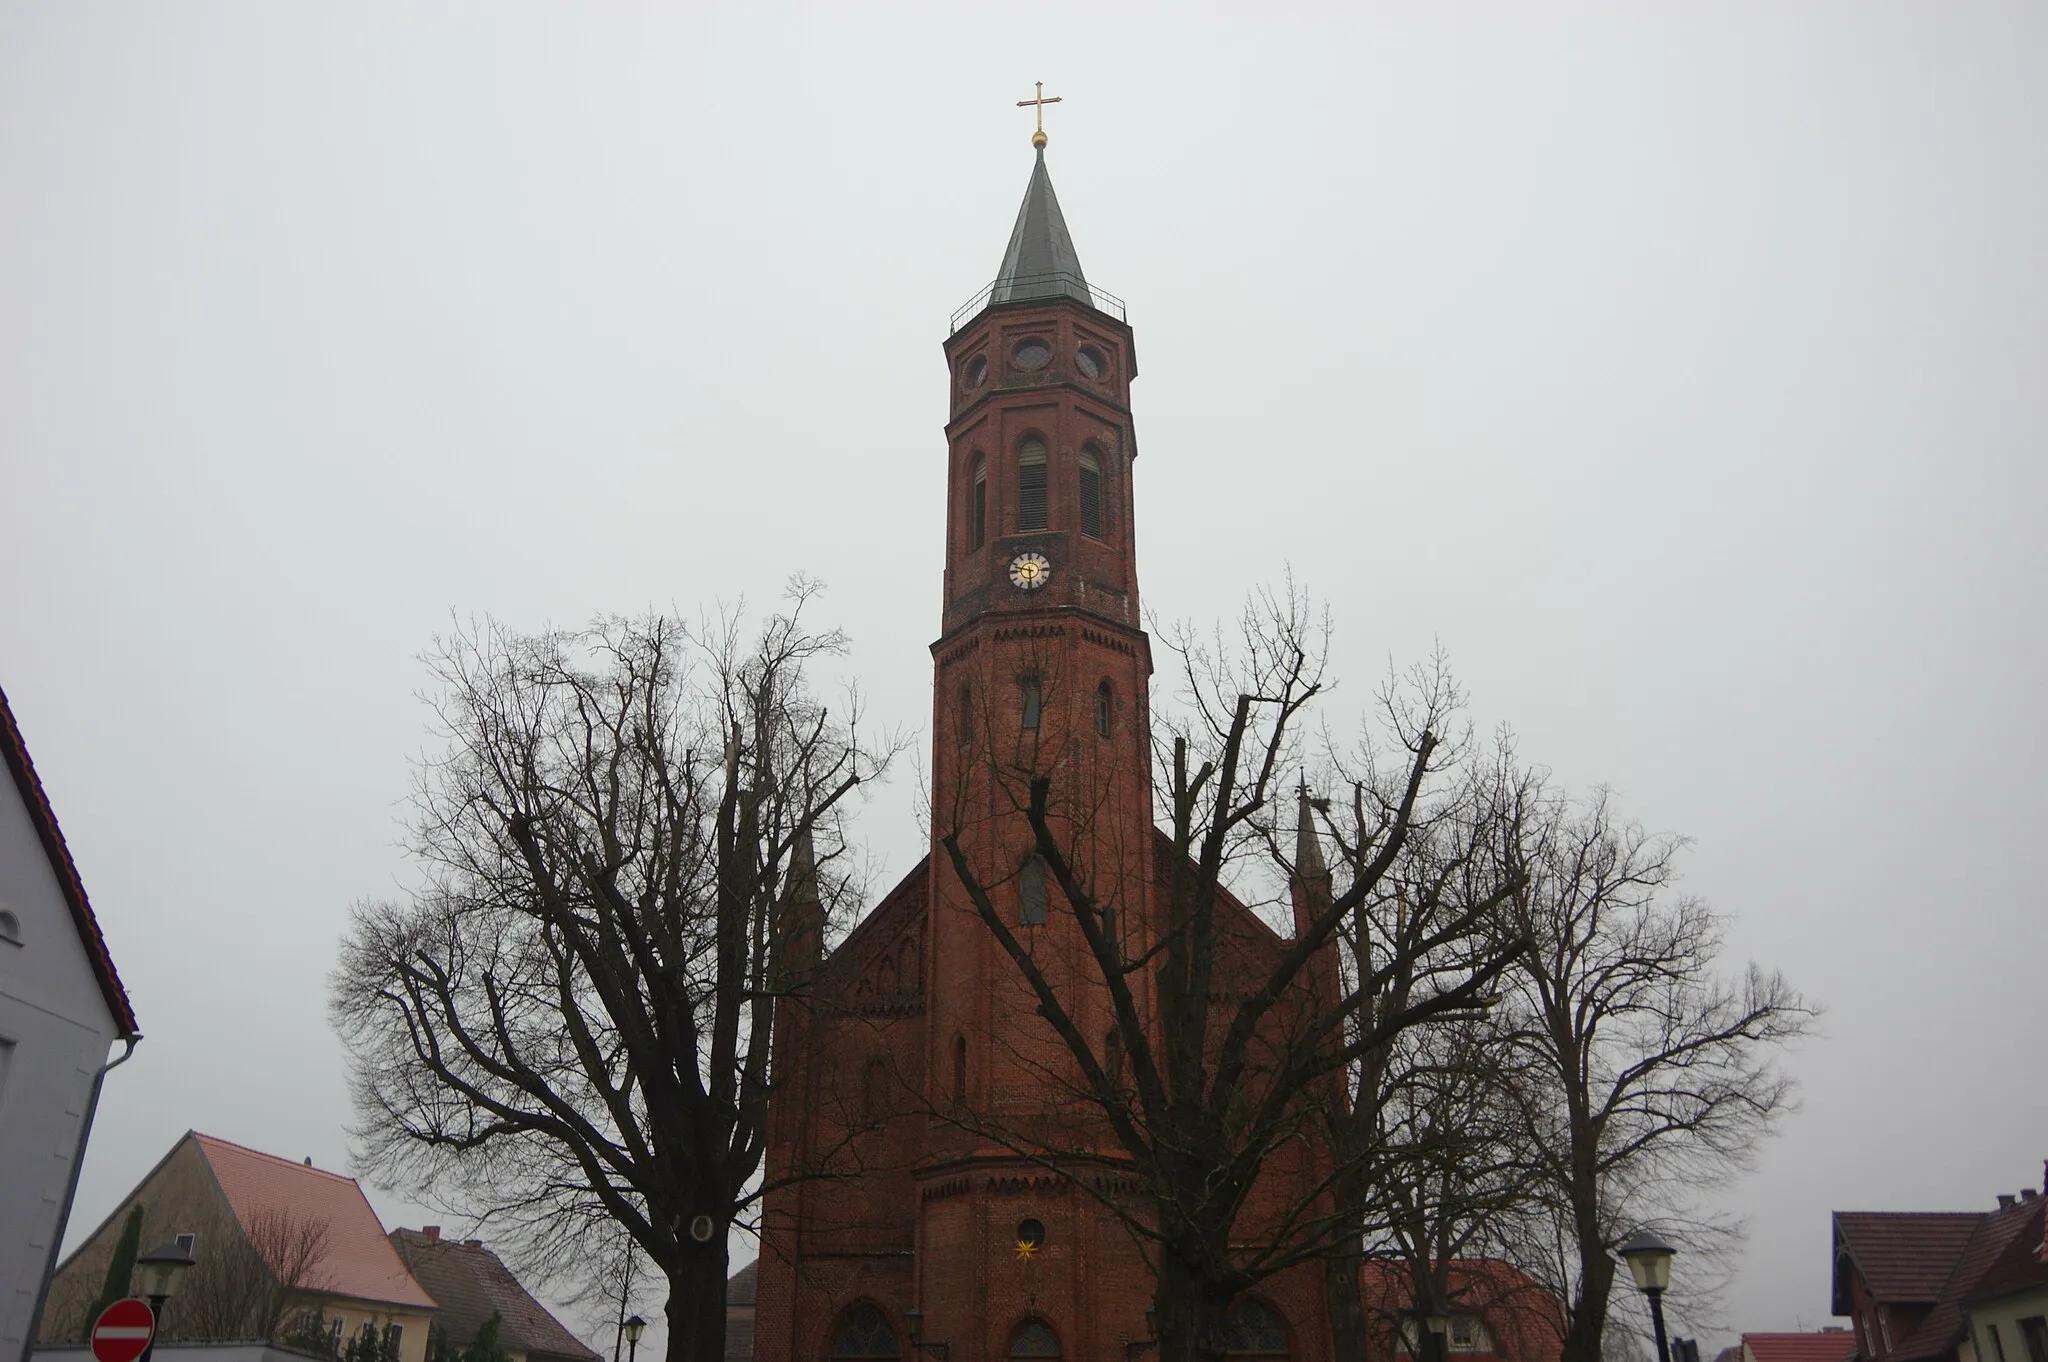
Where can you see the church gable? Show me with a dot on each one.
(878, 970)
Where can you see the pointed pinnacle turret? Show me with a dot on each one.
(803, 908)
(1041, 261)
(1311, 882)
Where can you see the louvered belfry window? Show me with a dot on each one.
(1031, 485)
(1031, 893)
(977, 505)
(1091, 493)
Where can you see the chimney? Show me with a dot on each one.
(2005, 1200)
(472, 1243)
(433, 1233)
(309, 1160)
(2027, 1194)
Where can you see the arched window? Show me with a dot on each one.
(874, 1093)
(1034, 1338)
(1113, 1057)
(959, 1068)
(966, 733)
(1105, 698)
(977, 505)
(1031, 892)
(1091, 492)
(1031, 485)
(1034, 700)
(864, 1332)
(1253, 1330)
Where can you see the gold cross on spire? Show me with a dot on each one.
(1038, 137)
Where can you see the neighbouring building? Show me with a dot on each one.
(1910, 1282)
(275, 1242)
(1494, 1311)
(1823, 1345)
(470, 1284)
(62, 1008)
(739, 1313)
(2007, 1308)
(917, 1029)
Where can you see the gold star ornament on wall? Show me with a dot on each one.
(1026, 1250)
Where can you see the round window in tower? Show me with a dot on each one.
(974, 373)
(1031, 354)
(1031, 1232)
(1090, 362)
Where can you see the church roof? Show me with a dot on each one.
(1040, 261)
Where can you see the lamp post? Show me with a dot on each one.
(1438, 1326)
(157, 1274)
(1649, 1262)
(633, 1328)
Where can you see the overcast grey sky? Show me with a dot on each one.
(1679, 367)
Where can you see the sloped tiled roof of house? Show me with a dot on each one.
(1904, 1256)
(2024, 1264)
(1525, 1317)
(359, 1261)
(472, 1284)
(1827, 1345)
(30, 787)
(741, 1286)
(1944, 1326)
(740, 1290)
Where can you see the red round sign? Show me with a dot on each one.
(123, 1331)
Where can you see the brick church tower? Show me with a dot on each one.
(904, 1217)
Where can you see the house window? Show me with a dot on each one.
(1033, 701)
(1031, 893)
(977, 505)
(1104, 699)
(1091, 493)
(186, 1241)
(2034, 1329)
(1468, 1335)
(1034, 1338)
(1997, 1343)
(865, 1331)
(334, 1335)
(394, 1337)
(1253, 1330)
(1031, 485)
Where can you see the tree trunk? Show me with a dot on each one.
(1191, 1313)
(696, 1303)
(1347, 1308)
(1589, 1312)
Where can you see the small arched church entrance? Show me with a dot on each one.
(1034, 1339)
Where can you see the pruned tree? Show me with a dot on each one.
(1644, 1072)
(248, 1275)
(1222, 1056)
(564, 1028)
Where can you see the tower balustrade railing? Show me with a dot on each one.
(1031, 288)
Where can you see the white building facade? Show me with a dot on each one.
(62, 1009)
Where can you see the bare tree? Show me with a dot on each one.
(565, 1028)
(1644, 1073)
(247, 1275)
(1225, 1049)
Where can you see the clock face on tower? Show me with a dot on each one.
(1030, 571)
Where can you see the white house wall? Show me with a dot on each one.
(55, 1030)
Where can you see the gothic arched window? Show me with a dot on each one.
(966, 734)
(1031, 485)
(874, 1093)
(977, 505)
(1105, 699)
(959, 1068)
(1034, 1338)
(1113, 1058)
(1034, 700)
(1253, 1330)
(1031, 892)
(864, 1332)
(1091, 492)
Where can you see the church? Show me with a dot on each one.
(916, 1067)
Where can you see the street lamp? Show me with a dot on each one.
(1438, 1325)
(634, 1327)
(1649, 1262)
(1138, 1347)
(939, 1352)
(157, 1274)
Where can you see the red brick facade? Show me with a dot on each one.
(920, 1027)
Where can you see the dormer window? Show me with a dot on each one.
(1091, 492)
(10, 927)
(1031, 485)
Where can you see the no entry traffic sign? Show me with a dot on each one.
(123, 1331)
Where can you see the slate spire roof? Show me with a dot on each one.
(1040, 261)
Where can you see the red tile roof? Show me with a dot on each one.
(45, 818)
(1828, 1345)
(359, 1262)
(471, 1284)
(1903, 1256)
(1525, 1317)
(2024, 1264)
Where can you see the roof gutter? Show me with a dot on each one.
(92, 1106)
